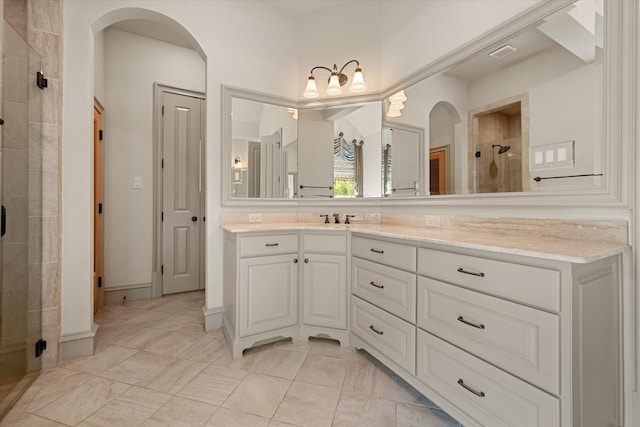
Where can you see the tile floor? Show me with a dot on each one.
(155, 365)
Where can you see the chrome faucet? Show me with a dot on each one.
(346, 220)
(337, 218)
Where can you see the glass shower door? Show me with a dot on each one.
(20, 217)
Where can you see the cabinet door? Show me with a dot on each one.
(268, 293)
(325, 291)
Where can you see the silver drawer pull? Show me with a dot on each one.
(375, 330)
(462, 270)
(466, 322)
(271, 244)
(378, 251)
(374, 284)
(466, 387)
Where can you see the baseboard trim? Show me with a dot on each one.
(116, 294)
(212, 318)
(79, 345)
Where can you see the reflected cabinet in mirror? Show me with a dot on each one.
(522, 114)
(521, 109)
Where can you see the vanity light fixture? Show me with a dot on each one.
(336, 80)
(237, 163)
(396, 103)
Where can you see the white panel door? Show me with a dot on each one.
(325, 291)
(181, 193)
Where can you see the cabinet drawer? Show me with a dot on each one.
(390, 335)
(518, 339)
(393, 254)
(487, 394)
(536, 286)
(389, 288)
(273, 244)
(324, 243)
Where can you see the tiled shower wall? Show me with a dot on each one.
(40, 23)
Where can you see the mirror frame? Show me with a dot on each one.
(619, 108)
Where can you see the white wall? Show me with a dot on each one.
(245, 44)
(98, 66)
(132, 65)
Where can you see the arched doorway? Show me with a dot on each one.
(141, 58)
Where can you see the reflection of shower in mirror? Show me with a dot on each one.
(503, 148)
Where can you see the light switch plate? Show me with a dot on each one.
(137, 182)
(552, 156)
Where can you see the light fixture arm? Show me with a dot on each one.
(336, 80)
(320, 66)
(345, 65)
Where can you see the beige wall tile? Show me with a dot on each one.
(47, 46)
(45, 15)
(15, 13)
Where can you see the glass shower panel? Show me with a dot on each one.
(20, 218)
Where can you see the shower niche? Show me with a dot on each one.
(498, 144)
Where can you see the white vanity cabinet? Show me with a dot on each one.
(260, 288)
(383, 299)
(493, 338)
(324, 285)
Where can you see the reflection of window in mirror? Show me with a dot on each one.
(338, 151)
(347, 167)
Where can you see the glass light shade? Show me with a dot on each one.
(334, 85)
(312, 90)
(396, 106)
(393, 112)
(357, 84)
(398, 97)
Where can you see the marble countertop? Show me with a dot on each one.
(546, 247)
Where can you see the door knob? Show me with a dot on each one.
(194, 218)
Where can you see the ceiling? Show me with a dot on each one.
(298, 8)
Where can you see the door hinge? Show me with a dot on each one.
(99, 208)
(162, 164)
(162, 269)
(100, 281)
(101, 135)
(41, 345)
(161, 216)
(163, 110)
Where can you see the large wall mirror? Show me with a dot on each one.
(522, 114)
(261, 138)
(519, 111)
